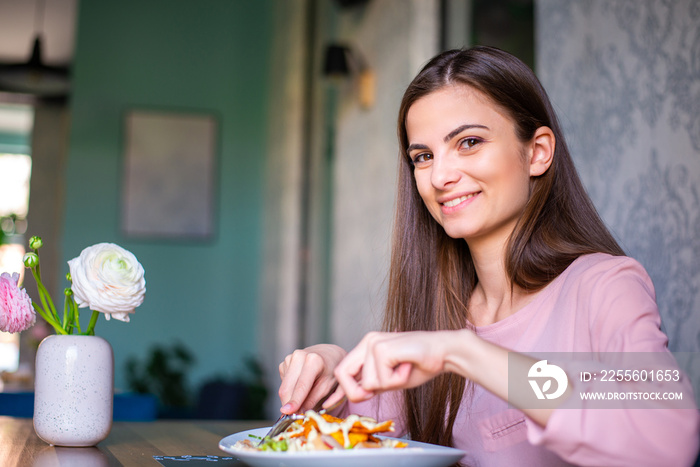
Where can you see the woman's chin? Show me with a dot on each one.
(458, 233)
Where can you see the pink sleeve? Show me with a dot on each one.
(623, 317)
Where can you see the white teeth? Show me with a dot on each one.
(456, 201)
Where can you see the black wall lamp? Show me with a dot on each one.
(341, 62)
(33, 76)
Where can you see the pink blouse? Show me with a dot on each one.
(600, 303)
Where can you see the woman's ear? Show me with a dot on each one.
(543, 144)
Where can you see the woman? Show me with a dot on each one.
(496, 248)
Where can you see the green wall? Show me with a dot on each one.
(205, 55)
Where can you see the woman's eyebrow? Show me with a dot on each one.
(460, 129)
(414, 146)
(449, 136)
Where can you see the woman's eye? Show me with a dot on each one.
(468, 143)
(422, 158)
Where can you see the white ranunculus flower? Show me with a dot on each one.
(109, 279)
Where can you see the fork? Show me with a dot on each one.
(280, 425)
(285, 420)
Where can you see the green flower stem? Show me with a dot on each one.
(42, 297)
(44, 294)
(36, 270)
(52, 308)
(47, 310)
(69, 320)
(47, 303)
(93, 321)
(75, 314)
(49, 319)
(66, 315)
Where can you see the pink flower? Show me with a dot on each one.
(16, 311)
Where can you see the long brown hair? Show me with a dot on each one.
(431, 275)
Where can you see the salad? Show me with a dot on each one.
(323, 432)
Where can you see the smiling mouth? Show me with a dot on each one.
(456, 201)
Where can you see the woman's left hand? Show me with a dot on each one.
(385, 361)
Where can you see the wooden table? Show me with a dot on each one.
(129, 443)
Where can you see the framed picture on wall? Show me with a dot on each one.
(169, 175)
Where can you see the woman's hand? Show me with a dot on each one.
(394, 360)
(401, 360)
(307, 377)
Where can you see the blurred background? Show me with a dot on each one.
(245, 151)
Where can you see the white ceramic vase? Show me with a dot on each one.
(73, 390)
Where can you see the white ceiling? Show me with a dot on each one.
(17, 30)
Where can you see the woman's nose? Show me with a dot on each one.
(444, 171)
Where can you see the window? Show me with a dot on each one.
(15, 172)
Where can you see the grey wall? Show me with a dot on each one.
(397, 37)
(327, 284)
(280, 324)
(625, 78)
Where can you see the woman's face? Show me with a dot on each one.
(471, 169)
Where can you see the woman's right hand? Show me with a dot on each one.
(307, 376)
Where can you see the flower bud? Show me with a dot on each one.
(68, 277)
(67, 292)
(31, 260)
(35, 243)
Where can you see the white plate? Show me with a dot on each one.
(415, 455)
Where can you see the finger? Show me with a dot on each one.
(379, 362)
(290, 369)
(298, 380)
(399, 376)
(305, 393)
(317, 394)
(369, 376)
(284, 366)
(334, 399)
(346, 381)
(407, 360)
(391, 371)
(349, 371)
(358, 394)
